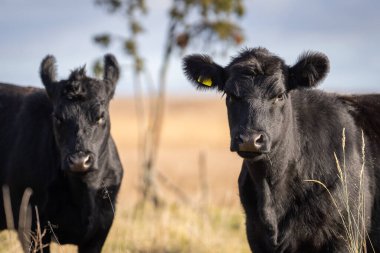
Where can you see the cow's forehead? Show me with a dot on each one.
(257, 61)
(91, 101)
(85, 89)
(255, 71)
(79, 109)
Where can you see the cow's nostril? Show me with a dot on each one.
(259, 139)
(87, 161)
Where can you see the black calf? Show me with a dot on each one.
(288, 134)
(57, 142)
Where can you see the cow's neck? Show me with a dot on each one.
(277, 166)
(273, 177)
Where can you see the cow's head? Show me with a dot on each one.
(258, 87)
(81, 120)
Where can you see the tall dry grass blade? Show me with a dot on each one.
(107, 195)
(332, 198)
(25, 220)
(352, 227)
(8, 207)
(362, 193)
(340, 175)
(178, 191)
(52, 231)
(39, 234)
(204, 188)
(344, 146)
(342, 179)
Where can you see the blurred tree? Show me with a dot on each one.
(190, 22)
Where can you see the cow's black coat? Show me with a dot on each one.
(287, 134)
(42, 132)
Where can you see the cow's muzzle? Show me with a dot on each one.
(251, 145)
(80, 161)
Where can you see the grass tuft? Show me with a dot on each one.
(353, 220)
(173, 228)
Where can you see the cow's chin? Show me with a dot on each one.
(255, 156)
(78, 172)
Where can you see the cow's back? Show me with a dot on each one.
(25, 130)
(366, 112)
(13, 105)
(11, 99)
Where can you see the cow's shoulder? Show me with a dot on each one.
(316, 109)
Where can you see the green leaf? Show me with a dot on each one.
(130, 47)
(103, 40)
(97, 68)
(136, 27)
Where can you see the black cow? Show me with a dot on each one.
(57, 142)
(288, 134)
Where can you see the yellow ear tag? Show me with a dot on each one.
(205, 81)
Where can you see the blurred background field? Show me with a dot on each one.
(208, 220)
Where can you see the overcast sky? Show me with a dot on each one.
(348, 31)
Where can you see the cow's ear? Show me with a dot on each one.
(48, 74)
(111, 73)
(311, 68)
(203, 72)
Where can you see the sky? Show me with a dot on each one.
(347, 31)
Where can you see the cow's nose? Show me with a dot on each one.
(253, 142)
(79, 161)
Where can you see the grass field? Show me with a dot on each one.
(211, 223)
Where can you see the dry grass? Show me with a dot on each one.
(9, 242)
(174, 228)
(353, 217)
(191, 126)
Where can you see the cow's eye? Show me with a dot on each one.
(279, 97)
